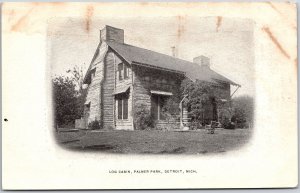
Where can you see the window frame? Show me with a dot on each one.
(122, 100)
(125, 106)
(123, 71)
(120, 70)
(93, 75)
(158, 102)
(120, 110)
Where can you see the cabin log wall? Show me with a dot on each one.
(142, 88)
(123, 124)
(94, 88)
(107, 106)
(102, 86)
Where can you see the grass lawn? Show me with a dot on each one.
(155, 142)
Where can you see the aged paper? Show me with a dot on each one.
(253, 44)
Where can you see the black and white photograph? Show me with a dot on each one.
(130, 99)
(149, 95)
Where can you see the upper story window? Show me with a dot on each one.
(145, 78)
(158, 81)
(93, 75)
(172, 82)
(120, 71)
(123, 71)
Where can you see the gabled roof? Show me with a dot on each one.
(136, 55)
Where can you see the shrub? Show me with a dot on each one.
(95, 125)
(229, 125)
(201, 97)
(143, 119)
(171, 109)
(243, 109)
(64, 94)
(194, 125)
(68, 97)
(225, 117)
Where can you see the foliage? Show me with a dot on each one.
(143, 119)
(95, 125)
(64, 100)
(171, 109)
(76, 75)
(80, 100)
(200, 95)
(194, 125)
(227, 124)
(225, 116)
(243, 109)
(69, 97)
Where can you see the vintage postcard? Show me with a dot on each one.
(149, 95)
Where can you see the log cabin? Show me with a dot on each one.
(122, 78)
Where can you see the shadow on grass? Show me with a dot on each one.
(70, 141)
(178, 150)
(173, 151)
(93, 148)
(100, 147)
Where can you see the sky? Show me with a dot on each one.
(228, 42)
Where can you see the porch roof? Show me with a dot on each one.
(121, 90)
(158, 92)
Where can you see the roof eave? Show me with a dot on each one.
(118, 54)
(230, 82)
(156, 67)
(90, 66)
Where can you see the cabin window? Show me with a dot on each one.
(123, 71)
(146, 78)
(122, 105)
(92, 75)
(172, 82)
(120, 71)
(119, 108)
(157, 103)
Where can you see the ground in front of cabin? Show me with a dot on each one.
(155, 142)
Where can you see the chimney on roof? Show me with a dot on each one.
(109, 33)
(202, 61)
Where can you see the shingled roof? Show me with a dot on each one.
(136, 55)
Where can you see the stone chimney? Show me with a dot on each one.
(202, 60)
(109, 33)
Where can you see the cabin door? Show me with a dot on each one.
(157, 102)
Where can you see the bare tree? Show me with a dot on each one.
(77, 76)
